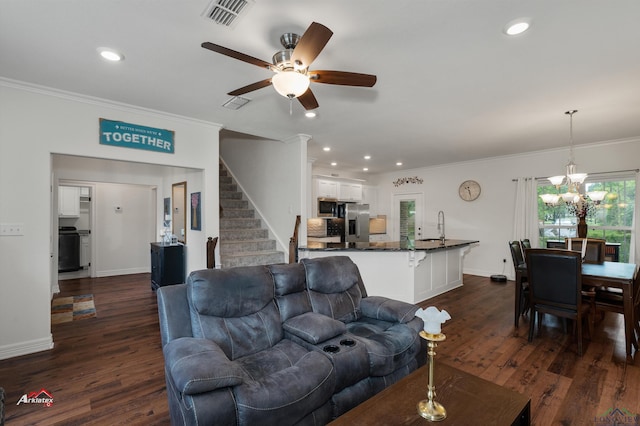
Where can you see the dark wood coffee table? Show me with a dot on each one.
(467, 399)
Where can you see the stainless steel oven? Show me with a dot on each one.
(327, 207)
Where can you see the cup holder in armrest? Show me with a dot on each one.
(347, 342)
(332, 349)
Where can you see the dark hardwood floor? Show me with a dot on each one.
(109, 369)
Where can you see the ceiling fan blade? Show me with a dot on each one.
(236, 55)
(343, 78)
(308, 100)
(251, 87)
(311, 44)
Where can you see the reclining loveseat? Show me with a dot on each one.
(296, 344)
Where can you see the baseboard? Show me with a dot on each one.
(113, 272)
(25, 348)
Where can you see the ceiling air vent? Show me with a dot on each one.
(224, 12)
(236, 102)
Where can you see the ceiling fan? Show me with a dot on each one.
(291, 67)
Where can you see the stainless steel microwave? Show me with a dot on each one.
(327, 207)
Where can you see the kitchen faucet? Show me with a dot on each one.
(441, 226)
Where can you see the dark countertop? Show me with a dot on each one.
(421, 245)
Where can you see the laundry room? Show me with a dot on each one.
(74, 231)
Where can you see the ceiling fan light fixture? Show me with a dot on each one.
(290, 84)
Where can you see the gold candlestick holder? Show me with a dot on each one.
(429, 408)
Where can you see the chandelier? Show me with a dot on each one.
(573, 196)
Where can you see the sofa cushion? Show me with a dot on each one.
(199, 365)
(290, 289)
(314, 328)
(230, 292)
(283, 385)
(235, 308)
(390, 346)
(334, 289)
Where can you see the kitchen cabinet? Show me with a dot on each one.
(68, 201)
(350, 191)
(370, 196)
(327, 189)
(167, 265)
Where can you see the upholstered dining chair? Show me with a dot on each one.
(526, 244)
(595, 249)
(555, 285)
(522, 303)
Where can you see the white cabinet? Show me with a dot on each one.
(350, 191)
(68, 201)
(85, 254)
(370, 196)
(327, 189)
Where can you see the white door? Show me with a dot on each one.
(407, 217)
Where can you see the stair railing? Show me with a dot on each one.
(211, 252)
(293, 242)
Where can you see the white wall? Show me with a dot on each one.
(34, 124)
(272, 175)
(489, 219)
(122, 237)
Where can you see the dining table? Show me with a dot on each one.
(622, 276)
(615, 275)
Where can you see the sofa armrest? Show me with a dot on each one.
(313, 327)
(386, 309)
(200, 365)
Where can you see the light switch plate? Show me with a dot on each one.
(11, 229)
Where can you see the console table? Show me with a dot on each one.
(468, 400)
(167, 264)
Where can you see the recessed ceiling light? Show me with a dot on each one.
(326, 149)
(334, 163)
(365, 169)
(367, 157)
(110, 54)
(517, 26)
(399, 163)
(310, 114)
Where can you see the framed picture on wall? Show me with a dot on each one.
(196, 215)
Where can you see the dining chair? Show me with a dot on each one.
(595, 248)
(522, 303)
(526, 244)
(555, 286)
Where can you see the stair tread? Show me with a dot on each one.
(252, 240)
(251, 253)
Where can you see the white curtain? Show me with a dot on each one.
(525, 217)
(635, 235)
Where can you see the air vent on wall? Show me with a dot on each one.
(224, 12)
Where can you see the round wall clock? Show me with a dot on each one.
(469, 190)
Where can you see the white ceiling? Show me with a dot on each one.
(451, 85)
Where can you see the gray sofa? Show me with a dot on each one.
(281, 344)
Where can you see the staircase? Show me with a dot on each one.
(243, 241)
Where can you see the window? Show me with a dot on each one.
(612, 220)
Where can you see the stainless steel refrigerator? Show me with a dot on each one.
(356, 222)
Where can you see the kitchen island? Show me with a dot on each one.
(411, 272)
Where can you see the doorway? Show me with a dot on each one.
(74, 220)
(407, 217)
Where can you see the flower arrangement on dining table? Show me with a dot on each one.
(581, 209)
